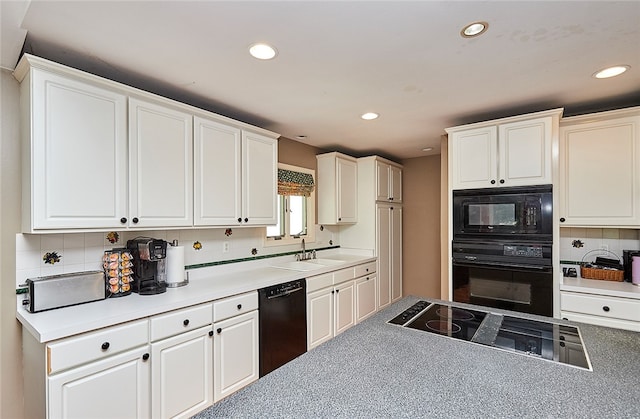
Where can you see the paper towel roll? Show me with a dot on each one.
(635, 270)
(175, 264)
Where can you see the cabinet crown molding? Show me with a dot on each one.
(557, 113)
(600, 116)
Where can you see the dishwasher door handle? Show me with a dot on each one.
(284, 294)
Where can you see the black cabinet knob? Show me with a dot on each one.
(606, 308)
(562, 344)
(186, 322)
(339, 219)
(337, 291)
(501, 180)
(210, 333)
(493, 182)
(239, 306)
(105, 346)
(123, 220)
(135, 220)
(145, 357)
(562, 219)
(246, 220)
(219, 330)
(239, 219)
(390, 198)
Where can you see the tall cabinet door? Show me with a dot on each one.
(182, 374)
(218, 174)
(68, 192)
(259, 178)
(475, 156)
(383, 249)
(319, 317)
(347, 174)
(96, 389)
(160, 165)
(235, 354)
(396, 252)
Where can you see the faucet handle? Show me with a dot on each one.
(313, 253)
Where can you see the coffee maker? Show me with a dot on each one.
(149, 264)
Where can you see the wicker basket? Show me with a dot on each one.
(598, 273)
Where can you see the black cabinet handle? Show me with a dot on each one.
(105, 346)
(135, 220)
(337, 291)
(246, 220)
(367, 269)
(210, 333)
(219, 330)
(239, 220)
(606, 308)
(562, 344)
(390, 198)
(562, 220)
(123, 220)
(493, 182)
(186, 322)
(333, 291)
(501, 180)
(145, 357)
(339, 219)
(239, 306)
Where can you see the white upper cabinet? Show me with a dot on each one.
(160, 165)
(74, 168)
(388, 182)
(507, 152)
(337, 191)
(259, 179)
(600, 169)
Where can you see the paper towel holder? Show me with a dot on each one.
(185, 275)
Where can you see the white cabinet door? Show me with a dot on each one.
(366, 288)
(395, 180)
(396, 253)
(160, 166)
(600, 173)
(259, 179)
(475, 157)
(116, 387)
(320, 317)
(68, 191)
(347, 191)
(384, 249)
(235, 354)
(345, 316)
(182, 374)
(383, 185)
(525, 152)
(217, 173)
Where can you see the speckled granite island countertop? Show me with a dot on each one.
(379, 370)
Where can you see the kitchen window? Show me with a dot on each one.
(296, 207)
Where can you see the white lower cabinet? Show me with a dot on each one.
(610, 311)
(366, 290)
(235, 351)
(115, 387)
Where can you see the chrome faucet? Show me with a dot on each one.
(303, 255)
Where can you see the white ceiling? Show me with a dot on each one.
(339, 59)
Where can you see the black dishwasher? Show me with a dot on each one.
(283, 324)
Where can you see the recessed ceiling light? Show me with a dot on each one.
(301, 137)
(427, 149)
(611, 71)
(369, 116)
(474, 29)
(262, 51)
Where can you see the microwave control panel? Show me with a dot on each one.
(523, 251)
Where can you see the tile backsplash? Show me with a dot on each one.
(50, 254)
(575, 242)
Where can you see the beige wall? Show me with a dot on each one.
(10, 332)
(421, 226)
(296, 153)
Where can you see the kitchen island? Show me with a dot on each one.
(376, 370)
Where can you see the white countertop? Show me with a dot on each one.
(600, 287)
(205, 284)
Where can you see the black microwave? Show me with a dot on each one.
(510, 213)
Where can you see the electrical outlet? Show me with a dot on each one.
(225, 247)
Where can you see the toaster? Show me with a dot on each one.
(55, 291)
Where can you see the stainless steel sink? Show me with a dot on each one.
(301, 266)
(326, 262)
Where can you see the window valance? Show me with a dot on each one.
(295, 183)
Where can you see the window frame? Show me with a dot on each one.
(310, 237)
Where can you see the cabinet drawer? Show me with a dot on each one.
(317, 282)
(618, 308)
(343, 275)
(232, 306)
(365, 269)
(184, 320)
(87, 347)
(601, 321)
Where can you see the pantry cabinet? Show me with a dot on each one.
(337, 189)
(74, 168)
(389, 252)
(235, 176)
(600, 169)
(235, 352)
(160, 165)
(512, 151)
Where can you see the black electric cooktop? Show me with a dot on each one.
(546, 340)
